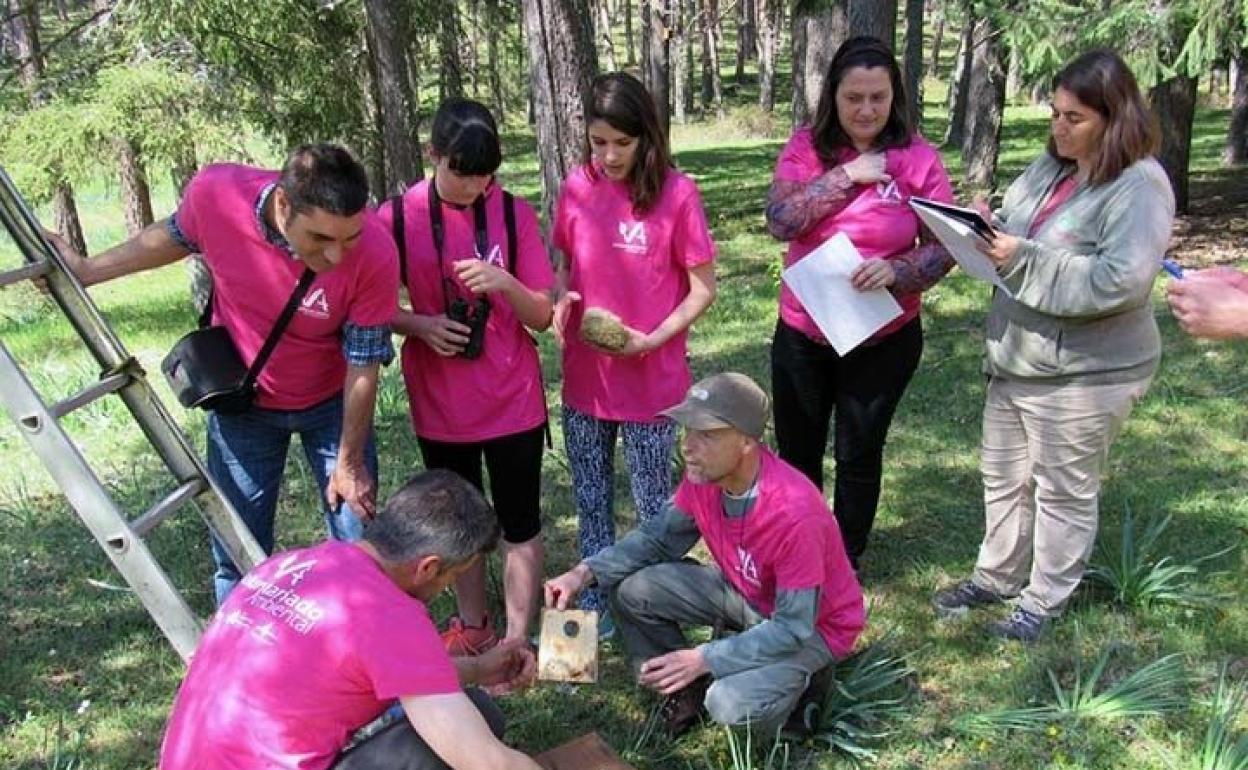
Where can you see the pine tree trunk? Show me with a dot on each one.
(498, 95)
(184, 166)
(387, 39)
(819, 28)
(986, 90)
(680, 75)
(938, 37)
(630, 50)
(24, 29)
(656, 51)
(65, 217)
(606, 46)
(1014, 76)
(960, 81)
(135, 195)
(877, 18)
(747, 36)
(452, 82)
(1237, 135)
(1174, 103)
(712, 81)
(770, 17)
(561, 66)
(913, 61)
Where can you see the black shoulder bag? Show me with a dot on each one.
(205, 370)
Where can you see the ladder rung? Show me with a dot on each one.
(106, 385)
(172, 502)
(24, 273)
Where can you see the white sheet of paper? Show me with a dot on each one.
(960, 240)
(845, 315)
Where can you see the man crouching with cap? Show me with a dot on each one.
(781, 577)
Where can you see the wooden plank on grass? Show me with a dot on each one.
(589, 752)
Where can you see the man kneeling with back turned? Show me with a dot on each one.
(316, 643)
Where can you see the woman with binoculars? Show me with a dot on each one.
(478, 278)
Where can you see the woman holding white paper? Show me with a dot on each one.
(852, 172)
(1080, 237)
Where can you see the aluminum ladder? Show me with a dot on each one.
(121, 537)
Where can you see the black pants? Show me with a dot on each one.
(399, 747)
(810, 382)
(515, 466)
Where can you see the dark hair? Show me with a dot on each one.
(464, 132)
(436, 513)
(829, 134)
(624, 103)
(1102, 81)
(324, 176)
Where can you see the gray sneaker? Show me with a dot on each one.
(956, 602)
(1021, 626)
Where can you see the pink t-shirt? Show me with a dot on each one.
(878, 218)
(311, 646)
(499, 393)
(789, 541)
(253, 279)
(1061, 193)
(638, 268)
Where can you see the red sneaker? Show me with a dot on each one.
(464, 640)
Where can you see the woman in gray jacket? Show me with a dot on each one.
(1073, 344)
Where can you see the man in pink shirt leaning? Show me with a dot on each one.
(316, 643)
(781, 579)
(259, 231)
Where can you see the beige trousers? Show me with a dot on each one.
(1044, 450)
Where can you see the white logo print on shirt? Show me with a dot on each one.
(315, 305)
(747, 566)
(888, 191)
(633, 237)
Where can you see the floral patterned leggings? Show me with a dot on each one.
(590, 444)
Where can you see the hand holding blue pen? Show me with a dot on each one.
(1172, 267)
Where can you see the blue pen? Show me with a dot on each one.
(1172, 267)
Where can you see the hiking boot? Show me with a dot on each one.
(956, 602)
(685, 708)
(462, 640)
(1021, 626)
(803, 721)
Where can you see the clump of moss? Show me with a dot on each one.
(603, 329)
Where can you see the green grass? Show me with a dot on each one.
(71, 638)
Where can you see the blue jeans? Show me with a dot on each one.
(246, 457)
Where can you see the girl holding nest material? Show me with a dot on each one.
(638, 269)
(853, 172)
(478, 277)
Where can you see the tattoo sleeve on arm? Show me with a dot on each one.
(793, 208)
(919, 269)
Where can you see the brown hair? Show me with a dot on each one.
(1102, 81)
(829, 134)
(624, 103)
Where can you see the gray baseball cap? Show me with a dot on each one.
(728, 400)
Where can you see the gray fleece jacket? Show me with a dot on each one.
(1081, 307)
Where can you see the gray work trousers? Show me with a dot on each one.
(400, 747)
(652, 604)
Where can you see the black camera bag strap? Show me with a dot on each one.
(275, 334)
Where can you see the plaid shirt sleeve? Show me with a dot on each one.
(175, 232)
(366, 345)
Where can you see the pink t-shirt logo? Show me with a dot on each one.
(315, 305)
(888, 192)
(634, 237)
(297, 570)
(748, 567)
(493, 257)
